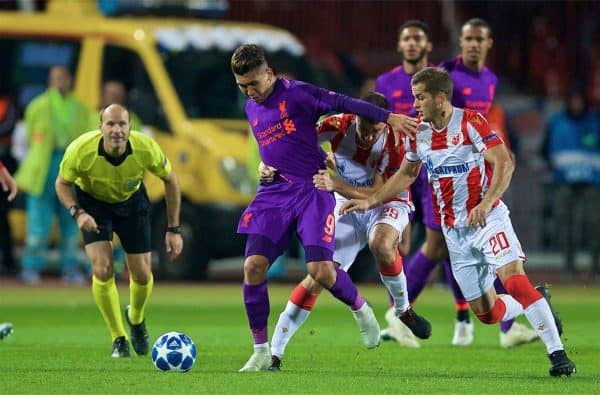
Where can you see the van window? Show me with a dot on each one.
(26, 62)
(205, 85)
(124, 65)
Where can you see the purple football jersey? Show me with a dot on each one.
(395, 86)
(284, 125)
(472, 90)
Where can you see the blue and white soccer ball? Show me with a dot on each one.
(174, 352)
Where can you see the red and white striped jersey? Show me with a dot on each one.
(357, 166)
(456, 168)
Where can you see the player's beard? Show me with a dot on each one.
(418, 59)
(430, 115)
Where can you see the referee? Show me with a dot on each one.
(107, 167)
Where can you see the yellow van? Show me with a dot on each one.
(180, 85)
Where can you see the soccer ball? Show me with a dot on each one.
(174, 352)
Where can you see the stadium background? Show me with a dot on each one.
(60, 344)
(540, 49)
(538, 52)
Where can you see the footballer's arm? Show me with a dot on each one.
(332, 183)
(503, 167)
(397, 183)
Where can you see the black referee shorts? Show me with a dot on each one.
(130, 220)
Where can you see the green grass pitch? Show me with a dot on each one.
(61, 345)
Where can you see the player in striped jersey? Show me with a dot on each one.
(469, 168)
(361, 149)
(475, 88)
(414, 45)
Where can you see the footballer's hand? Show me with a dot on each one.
(330, 161)
(173, 244)
(266, 172)
(323, 181)
(8, 183)
(352, 205)
(87, 223)
(403, 124)
(477, 216)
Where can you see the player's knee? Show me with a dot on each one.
(384, 250)
(311, 285)
(141, 277)
(103, 268)
(322, 273)
(385, 256)
(255, 266)
(494, 315)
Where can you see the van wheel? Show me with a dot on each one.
(192, 264)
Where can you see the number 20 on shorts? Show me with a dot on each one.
(498, 242)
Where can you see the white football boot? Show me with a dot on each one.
(517, 335)
(368, 325)
(397, 331)
(260, 360)
(463, 333)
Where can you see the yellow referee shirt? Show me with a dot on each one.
(112, 180)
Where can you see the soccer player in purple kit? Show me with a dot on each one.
(282, 114)
(414, 45)
(474, 89)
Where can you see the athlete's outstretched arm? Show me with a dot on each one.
(329, 101)
(500, 159)
(397, 183)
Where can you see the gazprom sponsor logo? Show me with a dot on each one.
(452, 169)
(445, 170)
